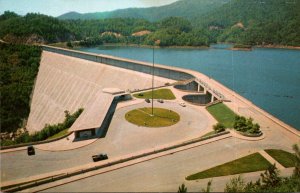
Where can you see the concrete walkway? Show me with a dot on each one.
(271, 160)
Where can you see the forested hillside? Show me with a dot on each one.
(183, 8)
(173, 31)
(183, 23)
(32, 28)
(256, 22)
(19, 66)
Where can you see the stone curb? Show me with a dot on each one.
(243, 137)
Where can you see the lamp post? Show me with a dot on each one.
(152, 77)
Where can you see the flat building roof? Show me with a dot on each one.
(95, 112)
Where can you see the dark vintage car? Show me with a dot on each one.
(147, 100)
(160, 100)
(99, 157)
(30, 150)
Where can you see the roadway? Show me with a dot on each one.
(166, 173)
(122, 138)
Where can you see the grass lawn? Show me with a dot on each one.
(223, 114)
(250, 163)
(161, 118)
(284, 158)
(165, 94)
(57, 135)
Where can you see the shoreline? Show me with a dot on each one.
(278, 47)
(159, 47)
(240, 49)
(63, 45)
(203, 47)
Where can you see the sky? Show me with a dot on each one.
(58, 7)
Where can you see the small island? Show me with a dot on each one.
(242, 47)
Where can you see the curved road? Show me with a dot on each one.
(168, 172)
(122, 138)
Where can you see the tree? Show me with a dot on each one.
(236, 184)
(182, 189)
(270, 177)
(208, 187)
(246, 125)
(19, 67)
(69, 44)
(297, 160)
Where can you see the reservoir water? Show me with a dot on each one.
(270, 78)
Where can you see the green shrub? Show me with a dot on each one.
(7, 142)
(23, 138)
(47, 131)
(246, 125)
(69, 44)
(219, 127)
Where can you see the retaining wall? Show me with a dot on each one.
(198, 99)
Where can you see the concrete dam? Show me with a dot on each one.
(69, 80)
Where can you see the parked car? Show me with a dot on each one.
(182, 104)
(30, 150)
(147, 100)
(99, 157)
(160, 101)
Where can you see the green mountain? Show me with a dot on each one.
(86, 16)
(252, 10)
(183, 23)
(256, 22)
(32, 28)
(183, 8)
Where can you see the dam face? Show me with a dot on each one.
(69, 83)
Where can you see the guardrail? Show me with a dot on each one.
(215, 92)
(159, 70)
(30, 184)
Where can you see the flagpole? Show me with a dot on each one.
(152, 77)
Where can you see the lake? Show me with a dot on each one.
(270, 78)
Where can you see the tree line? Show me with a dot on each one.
(259, 25)
(19, 66)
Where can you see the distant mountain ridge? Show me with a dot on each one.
(184, 8)
(186, 22)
